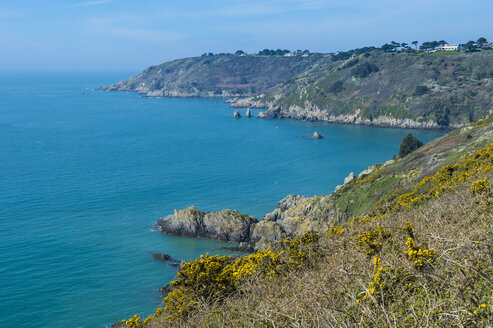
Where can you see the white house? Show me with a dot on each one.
(449, 47)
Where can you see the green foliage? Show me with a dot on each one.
(420, 90)
(409, 144)
(364, 69)
(337, 86)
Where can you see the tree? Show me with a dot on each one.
(415, 44)
(442, 115)
(387, 47)
(470, 46)
(408, 145)
(480, 41)
(240, 52)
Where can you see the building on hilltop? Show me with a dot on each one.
(450, 47)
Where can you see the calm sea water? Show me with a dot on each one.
(84, 174)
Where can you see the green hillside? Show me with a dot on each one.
(217, 76)
(437, 90)
(416, 253)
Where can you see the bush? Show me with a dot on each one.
(420, 90)
(363, 70)
(337, 87)
(409, 144)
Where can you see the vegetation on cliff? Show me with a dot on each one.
(420, 256)
(217, 76)
(438, 90)
(389, 86)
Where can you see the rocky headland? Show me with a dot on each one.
(295, 215)
(373, 88)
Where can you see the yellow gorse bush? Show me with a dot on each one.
(445, 179)
(215, 277)
(419, 257)
(481, 187)
(372, 240)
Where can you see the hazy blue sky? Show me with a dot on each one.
(133, 34)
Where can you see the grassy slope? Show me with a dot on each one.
(422, 256)
(362, 193)
(458, 84)
(236, 74)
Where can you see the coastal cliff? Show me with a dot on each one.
(296, 215)
(401, 90)
(216, 76)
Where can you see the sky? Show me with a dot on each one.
(129, 35)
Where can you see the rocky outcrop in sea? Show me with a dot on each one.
(293, 216)
(226, 225)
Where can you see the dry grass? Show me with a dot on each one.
(446, 292)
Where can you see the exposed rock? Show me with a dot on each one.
(248, 113)
(316, 135)
(236, 114)
(367, 171)
(166, 289)
(294, 216)
(349, 178)
(161, 256)
(311, 112)
(226, 225)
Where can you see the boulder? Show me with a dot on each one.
(248, 113)
(316, 135)
(236, 114)
(161, 256)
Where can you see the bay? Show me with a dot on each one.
(84, 174)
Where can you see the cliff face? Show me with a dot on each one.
(216, 76)
(226, 225)
(443, 90)
(296, 215)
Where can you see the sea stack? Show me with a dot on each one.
(316, 135)
(236, 114)
(248, 113)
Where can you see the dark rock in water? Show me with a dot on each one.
(236, 114)
(226, 225)
(315, 135)
(174, 264)
(166, 289)
(161, 257)
(248, 113)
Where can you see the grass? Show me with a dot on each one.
(454, 290)
(422, 257)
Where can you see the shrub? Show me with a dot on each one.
(409, 144)
(337, 87)
(420, 90)
(363, 70)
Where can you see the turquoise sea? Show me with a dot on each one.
(84, 174)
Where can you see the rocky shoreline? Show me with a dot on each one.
(310, 113)
(293, 216)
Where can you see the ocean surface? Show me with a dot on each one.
(84, 174)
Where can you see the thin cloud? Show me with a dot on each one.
(93, 3)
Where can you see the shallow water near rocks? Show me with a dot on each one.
(84, 174)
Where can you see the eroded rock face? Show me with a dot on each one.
(236, 114)
(226, 225)
(248, 113)
(293, 216)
